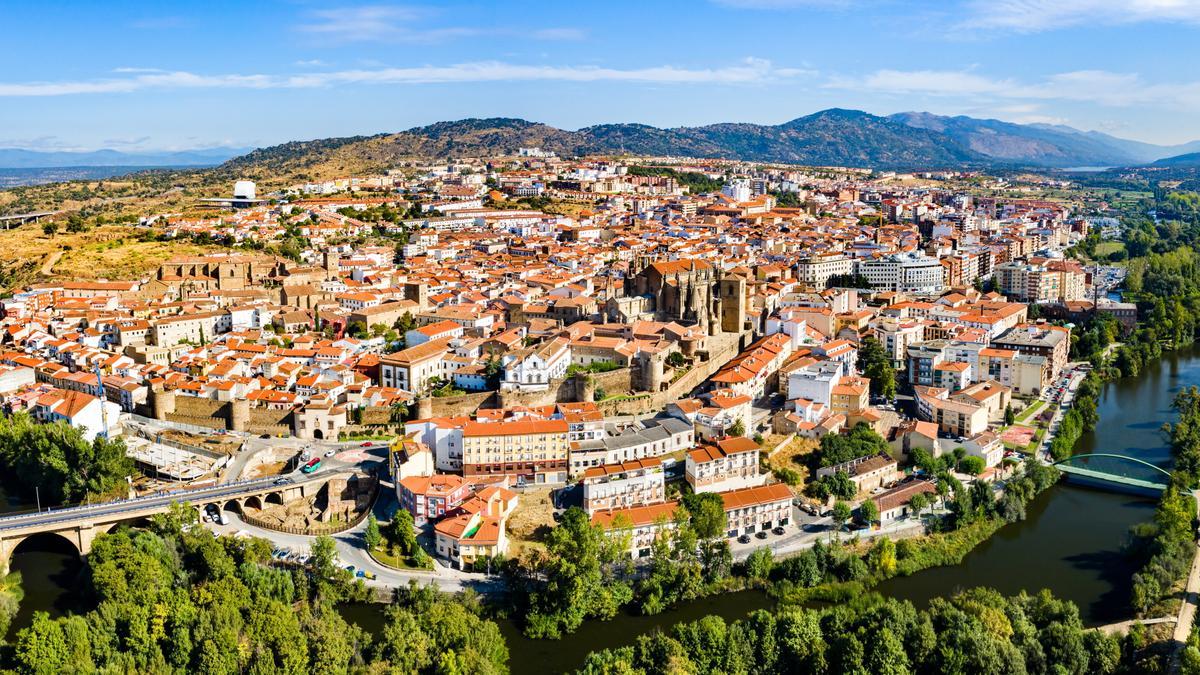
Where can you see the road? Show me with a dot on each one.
(804, 531)
(107, 509)
(1187, 608)
(351, 551)
(1075, 376)
(253, 445)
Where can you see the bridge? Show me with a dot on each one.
(22, 218)
(1108, 479)
(80, 524)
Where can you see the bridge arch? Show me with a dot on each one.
(233, 506)
(143, 521)
(1127, 458)
(253, 502)
(275, 498)
(57, 540)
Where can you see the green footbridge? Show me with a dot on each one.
(1158, 481)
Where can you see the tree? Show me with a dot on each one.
(874, 363)
(41, 648)
(971, 465)
(868, 511)
(573, 579)
(860, 442)
(324, 556)
(49, 228)
(840, 514)
(493, 372)
(882, 557)
(760, 563)
(57, 460)
(357, 329)
(1010, 417)
(847, 281)
(405, 323)
(11, 594)
(738, 428)
(706, 511)
(400, 532)
(372, 536)
(397, 412)
(837, 484)
(918, 503)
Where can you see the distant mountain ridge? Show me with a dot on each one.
(19, 158)
(834, 137)
(1186, 160)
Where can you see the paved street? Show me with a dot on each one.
(352, 552)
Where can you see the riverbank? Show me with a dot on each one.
(1071, 541)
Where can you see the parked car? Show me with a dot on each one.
(778, 531)
(761, 534)
(744, 539)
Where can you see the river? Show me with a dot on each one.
(1072, 538)
(1070, 543)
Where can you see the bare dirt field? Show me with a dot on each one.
(531, 519)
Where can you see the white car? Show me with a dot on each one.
(331, 453)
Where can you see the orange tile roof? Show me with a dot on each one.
(638, 516)
(753, 496)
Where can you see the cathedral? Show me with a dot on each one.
(689, 292)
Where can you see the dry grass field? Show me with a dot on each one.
(107, 252)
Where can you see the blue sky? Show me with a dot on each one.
(163, 75)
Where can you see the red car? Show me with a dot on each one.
(365, 444)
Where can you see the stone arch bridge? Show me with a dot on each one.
(80, 524)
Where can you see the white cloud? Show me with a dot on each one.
(367, 23)
(932, 82)
(408, 24)
(38, 143)
(748, 71)
(1029, 16)
(1091, 86)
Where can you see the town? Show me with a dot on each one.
(501, 339)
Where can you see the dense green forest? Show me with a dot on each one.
(56, 463)
(173, 599)
(978, 631)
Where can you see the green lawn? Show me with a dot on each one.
(1031, 411)
(386, 556)
(1107, 248)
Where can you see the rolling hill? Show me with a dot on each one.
(1186, 160)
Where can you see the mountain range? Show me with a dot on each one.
(19, 158)
(834, 137)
